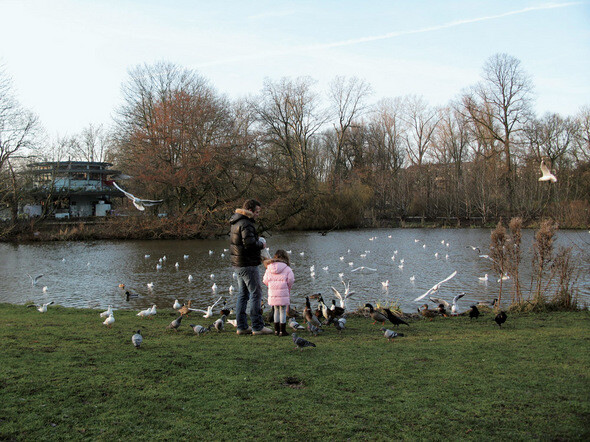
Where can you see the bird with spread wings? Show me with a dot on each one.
(139, 203)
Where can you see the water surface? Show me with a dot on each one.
(88, 274)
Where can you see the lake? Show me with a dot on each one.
(88, 274)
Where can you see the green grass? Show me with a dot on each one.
(64, 375)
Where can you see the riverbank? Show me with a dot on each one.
(66, 375)
(152, 228)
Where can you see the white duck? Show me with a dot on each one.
(109, 321)
(176, 304)
(109, 311)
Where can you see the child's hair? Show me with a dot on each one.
(281, 255)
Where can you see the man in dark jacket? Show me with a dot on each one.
(245, 247)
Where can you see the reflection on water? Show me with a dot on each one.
(88, 274)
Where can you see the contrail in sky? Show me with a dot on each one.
(388, 35)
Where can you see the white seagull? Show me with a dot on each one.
(547, 175)
(41, 308)
(209, 311)
(484, 278)
(139, 203)
(347, 293)
(363, 268)
(454, 307)
(435, 287)
(35, 279)
(176, 304)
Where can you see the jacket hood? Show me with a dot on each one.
(239, 214)
(276, 266)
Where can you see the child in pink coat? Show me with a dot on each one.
(279, 278)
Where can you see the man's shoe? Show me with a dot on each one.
(263, 331)
(247, 331)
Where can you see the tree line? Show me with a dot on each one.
(325, 159)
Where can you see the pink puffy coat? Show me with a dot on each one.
(279, 278)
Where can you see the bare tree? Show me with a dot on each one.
(348, 99)
(19, 129)
(550, 137)
(421, 121)
(582, 138)
(289, 115)
(501, 104)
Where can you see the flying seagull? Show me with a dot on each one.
(209, 311)
(435, 287)
(41, 308)
(139, 203)
(547, 175)
(35, 279)
(454, 307)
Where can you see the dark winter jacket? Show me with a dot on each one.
(244, 245)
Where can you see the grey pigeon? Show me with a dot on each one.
(199, 329)
(176, 323)
(219, 323)
(313, 329)
(300, 342)
(137, 339)
(340, 324)
(390, 334)
(295, 325)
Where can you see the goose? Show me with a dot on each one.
(41, 308)
(109, 311)
(436, 286)
(377, 316)
(109, 321)
(137, 339)
(390, 334)
(453, 307)
(547, 175)
(301, 343)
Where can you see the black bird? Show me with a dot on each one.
(300, 342)
(128, 295)
(500, 318)
(175, 324)
(474, 312)
(394, 319)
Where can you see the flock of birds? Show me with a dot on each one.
(315, 320)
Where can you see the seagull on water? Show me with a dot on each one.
(435, 287)
(139, 203)
(150, 285)
(363, 268)
(547, 175)
(484, 278)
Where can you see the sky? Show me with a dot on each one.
(68, 59)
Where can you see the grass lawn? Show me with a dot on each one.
(64, 375)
